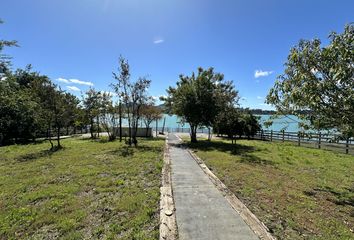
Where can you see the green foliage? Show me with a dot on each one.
(318, 84)
(31, 106)
(134, 96)
(199, 98)
(149, 114)
(91, 103)
(236, 122)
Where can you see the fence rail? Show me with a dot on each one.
(317, 140)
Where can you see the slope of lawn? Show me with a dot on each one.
(299, 193)
(88, 190)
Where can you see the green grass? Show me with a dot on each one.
(299, 193)
(89, 189)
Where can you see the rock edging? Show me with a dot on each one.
(168, 224)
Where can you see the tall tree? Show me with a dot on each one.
(71, 110)
(109, 115)
(91, 106)
(134, 96)
(318, 83)
(122, 77)
(199, 98)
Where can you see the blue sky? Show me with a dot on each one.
(77, 42)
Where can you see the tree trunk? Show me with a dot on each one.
(91, 127)
(135, 141)
(67, 130)
(50, 138)
(163, 126)
(58, 137)
(120, 121)
(194, 134)
(98, 127)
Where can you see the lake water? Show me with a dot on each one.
(289, 123)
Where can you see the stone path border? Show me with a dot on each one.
(250, 219)
(168, 225)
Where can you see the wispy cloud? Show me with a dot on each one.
(260, 73)
(62, 80)
(73, 88)
(75, 81)
(259, 97)
(158, 41)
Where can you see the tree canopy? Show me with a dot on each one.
(199, 98)
(318, 83)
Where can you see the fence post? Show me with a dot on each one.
(271, 135)
(262, 134)
(283, 135)
(347, 146)
(319, 140)
(298, 138)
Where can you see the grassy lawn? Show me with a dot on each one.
(89, 189)
(299, 193)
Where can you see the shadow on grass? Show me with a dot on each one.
(234, 149)
(333, 195)
(36, 155)
(127, 150)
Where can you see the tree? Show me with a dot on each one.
(91, 106)
(18, 112)
(235, 122)
(109, 115)
(199, 98)
(149, 114)
(250, 124)
(317, 84)
(54, 108)
(122, 76)
(133, 95)
(71, 110)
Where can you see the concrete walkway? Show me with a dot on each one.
(201, 210)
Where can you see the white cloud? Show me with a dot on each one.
(62, 80)
(259, 97)
(158, 41)
(77, 81)
(260, 73)
(73, 88)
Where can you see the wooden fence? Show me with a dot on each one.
(317, 140)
